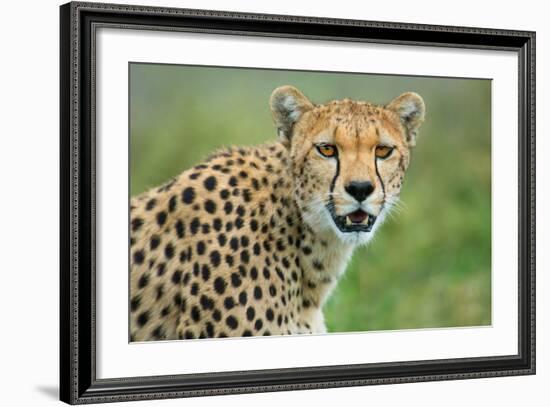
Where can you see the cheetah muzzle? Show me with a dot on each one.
(356, 221)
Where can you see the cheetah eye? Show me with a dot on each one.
(383, 151)
(326, 150)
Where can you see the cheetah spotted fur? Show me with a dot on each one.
(253, 240)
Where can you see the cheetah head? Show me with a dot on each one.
(348, 158)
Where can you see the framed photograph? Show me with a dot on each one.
(255, 203)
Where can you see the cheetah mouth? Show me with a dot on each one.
(356, 221)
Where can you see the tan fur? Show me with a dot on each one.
(287, 251)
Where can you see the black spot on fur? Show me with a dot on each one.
(210, 329)
(136, 223)
(172, 203)
(195, 313)
(134, 303)
(243, 298)
(229, 303)
(160, 291)
(188, 195)
(250, 313)
(206, 302)
(231, 322)
(205, 272)
(161, 218)
(169, 251)
(150, 204)
(210, 206)
(165, 311)
(229, 260)
(154, 242)
(186, 278)
(317, 265)
(194, 226)
(215, 258)
(224, 194)
(176, 277)
(180, 229)
(142, 318)
(256, 249)
(219, 285)
(178, 300)
(217, 315)
(254, 225)
(161, 268)
(139, 256)
(201, 248)
(258, 293)
(143, 281)
(239, 223)
(158, 333)
(210, 183)
(236, 280)
(228, 207)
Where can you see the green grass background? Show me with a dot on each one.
(428, 266)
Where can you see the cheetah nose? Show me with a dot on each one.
(359, 190)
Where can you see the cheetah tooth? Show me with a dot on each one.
(348, 220)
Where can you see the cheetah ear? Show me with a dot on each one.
(411, 109)
(287, 104)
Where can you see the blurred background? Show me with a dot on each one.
(430, 264)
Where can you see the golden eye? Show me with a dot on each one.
(326, 150)
(383, 151)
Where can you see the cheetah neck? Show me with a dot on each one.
(323, 265)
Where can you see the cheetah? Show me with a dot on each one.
(253, 240)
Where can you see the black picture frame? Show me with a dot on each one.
(78, 382)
